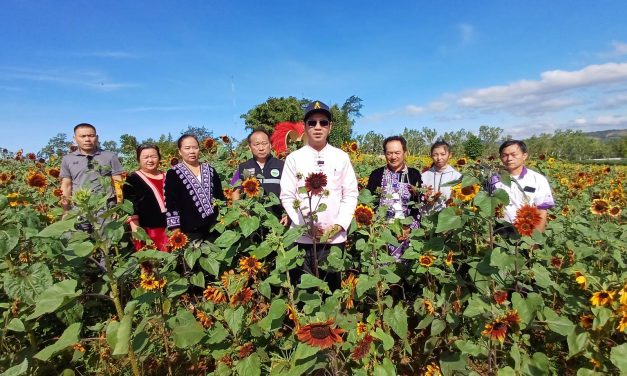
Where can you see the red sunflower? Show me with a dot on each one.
(321, 334)
(315, 183)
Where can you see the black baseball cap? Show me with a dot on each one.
(317, 107)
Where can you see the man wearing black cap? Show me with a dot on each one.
(318, 158)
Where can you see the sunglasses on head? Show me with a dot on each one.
(90, 162)
(313, 123)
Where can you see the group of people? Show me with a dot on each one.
(184, 198)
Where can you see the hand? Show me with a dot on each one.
(285, 220)
(331, 232)
(405, 234)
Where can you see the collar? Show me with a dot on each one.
(78, 152)
(405, 169)
(326, 147)
(523, 172)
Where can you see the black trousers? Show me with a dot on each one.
(332, 277)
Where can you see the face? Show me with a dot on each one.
(440, 157)
(394, 155)
(259, 145)
(86, 139)
(317, 135)
(149, 160)
(513, 158)
(189, 150)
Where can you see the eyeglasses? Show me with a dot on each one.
(313, 123)
(90, 163)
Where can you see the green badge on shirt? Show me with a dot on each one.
(274, 172)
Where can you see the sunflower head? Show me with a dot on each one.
(37, 180)
(322, 334)
(364, 215)
(527, 219)
(315, 183)
(426, 260)
(500, 296)
(251, 186)
(602, 298)
(496, 330)
(599, 206)
(209, 143)
(465, 194)
(177, 240)
(250, 265)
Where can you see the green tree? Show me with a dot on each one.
(274, 110)
(200, 132)
(456, 140)
(473, 146)
(490, 137)
(57, 145)
(370, 142)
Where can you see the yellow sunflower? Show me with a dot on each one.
(465, 193)
(602, 298)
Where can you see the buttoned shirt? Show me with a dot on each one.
(86, 171)
(530, 188)
(341, 184)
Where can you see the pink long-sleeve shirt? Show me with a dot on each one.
(341, 184)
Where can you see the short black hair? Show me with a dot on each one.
(186, 135)
(508, 143)
(400, 139)
(260, 130)
(143, 147)
(441, 144)
(84, 125)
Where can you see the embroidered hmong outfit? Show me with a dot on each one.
(189, 200)
(396, 193)
(146, 194)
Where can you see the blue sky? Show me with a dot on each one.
(154, 67)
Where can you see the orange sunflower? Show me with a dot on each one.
(251, 186)
(364, 215)
(353, 147)
(622, 323)
(496, 330)
(429, 307)
(527, 219)
(242, 297)
(226, 278)
(204, 320)
(500, 296)
(511, 318)
(177, 240)
(426, 260)
(599, 206)
(315, 183)
(321, 334)
(37, 180)
(225, 139)
(250, 265)
(602, 298)
(214, 294)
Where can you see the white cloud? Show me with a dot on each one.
(408, 110)
(611, 102)
(618, 49)
(584, 124)
(550, 82)
(89, 79)
(466, 32)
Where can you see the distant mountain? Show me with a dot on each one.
(608, 134)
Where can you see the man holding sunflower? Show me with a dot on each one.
(528, 189)
(316, 176)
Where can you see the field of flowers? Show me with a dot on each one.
(462, 302)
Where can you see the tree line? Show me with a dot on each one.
(562, 144)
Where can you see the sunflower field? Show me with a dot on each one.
(462, 301)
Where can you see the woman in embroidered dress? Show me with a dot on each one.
(397, 186)
(190, 190)
(436, 178)
(144, 188)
